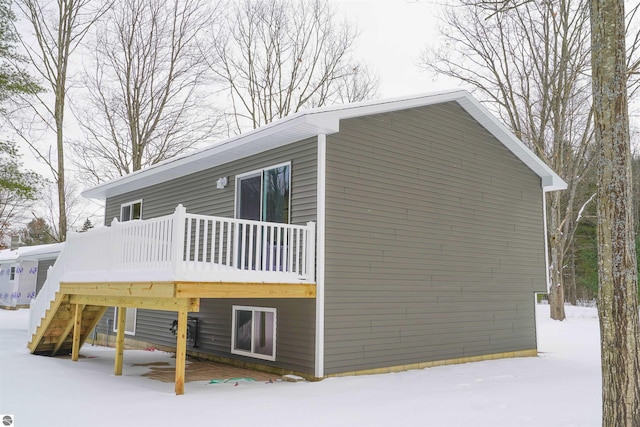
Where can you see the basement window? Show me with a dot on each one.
(253, 332)
(130, 322)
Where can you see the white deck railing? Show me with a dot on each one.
(183, 247)
(42, 301)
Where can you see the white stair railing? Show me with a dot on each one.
(41, 303)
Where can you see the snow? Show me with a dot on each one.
(561, 387)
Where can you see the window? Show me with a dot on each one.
(253, 332)
(130, 323)
(263, 195)
(130, 211)
(12, 274)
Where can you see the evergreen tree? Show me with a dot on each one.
(13, 79)
(18, 189)
(86, 226)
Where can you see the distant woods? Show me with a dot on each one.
(530, 64)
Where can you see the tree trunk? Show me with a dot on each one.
(556, 293)
(617, 269)
(570, 277)
(62, 203)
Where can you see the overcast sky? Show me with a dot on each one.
(392, 35)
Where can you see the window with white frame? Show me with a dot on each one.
(130, 211)
(12, 273)
(130, 322)
(253, 332)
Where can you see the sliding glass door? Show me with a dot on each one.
(263, 195)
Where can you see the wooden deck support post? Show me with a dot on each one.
(181, 350)
(122, 322)
(77, 329)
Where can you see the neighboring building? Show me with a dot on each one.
(429, 240)
(23, 271)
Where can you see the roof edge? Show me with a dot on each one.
(310, 123)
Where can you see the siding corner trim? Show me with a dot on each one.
(320, 254)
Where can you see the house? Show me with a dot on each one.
(361, 238)
(23, 272)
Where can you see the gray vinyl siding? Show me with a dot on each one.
(197, 192)
(43, 267)
(434, 241)
(295, 335)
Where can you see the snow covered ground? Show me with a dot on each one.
(559, 388)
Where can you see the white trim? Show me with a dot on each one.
(122, 205)
(260, 172)
(546, 241)
(310, 123)
(253, 311)
(239, 178)
(135, 321)
(320, 248)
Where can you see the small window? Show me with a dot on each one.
(12, 274)
(130, 322)
(131, 211)
(253, 332)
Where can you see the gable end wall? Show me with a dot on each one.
(434, 242)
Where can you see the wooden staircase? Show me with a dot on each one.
(55, 333)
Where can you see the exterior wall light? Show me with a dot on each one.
(221, 182)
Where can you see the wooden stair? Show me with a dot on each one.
(55, 333)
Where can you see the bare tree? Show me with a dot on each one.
(357, 85)
(276, 57)
(146, 98)
(617, 264)
(530, 64)
(58, 28)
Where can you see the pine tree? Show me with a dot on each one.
(13, 79)
(86, 226)
(19, 189)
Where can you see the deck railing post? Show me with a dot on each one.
(177, 251)
(114, 245)
(311, 251)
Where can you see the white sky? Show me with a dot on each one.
(392, 35)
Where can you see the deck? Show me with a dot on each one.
(167, 263)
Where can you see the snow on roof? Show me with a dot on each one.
(310, 123)
(39, 252)
(31, 253)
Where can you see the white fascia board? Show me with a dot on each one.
(550, 181)
(307, 124)
(294, 128)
